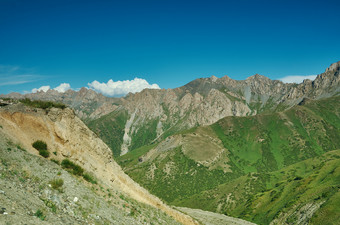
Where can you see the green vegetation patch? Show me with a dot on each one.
(72, 167)
(110, 128)
(264, 197)
(144, 135)
(133, 157)
(41, 146)
(57, 183)
(89, 178)
(39, 213)
(280, 162)
(44, 153)
(42, 104)
(174, 175)
(77, 170)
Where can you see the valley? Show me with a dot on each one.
(215, 150)
(256, 160)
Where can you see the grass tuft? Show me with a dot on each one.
(57, 183)
(72, 167)
(89, 178)
(39, 213)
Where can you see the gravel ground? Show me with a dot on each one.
(27, 197)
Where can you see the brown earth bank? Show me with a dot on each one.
(67, 136)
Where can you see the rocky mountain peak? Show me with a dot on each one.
(257, 77)
(334, 66)
(213, 78)
(200, 102)
(87, 92)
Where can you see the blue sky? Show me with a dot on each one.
(167, 43)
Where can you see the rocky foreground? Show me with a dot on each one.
(67, 138)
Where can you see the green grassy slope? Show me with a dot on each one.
(110, 128)
(175, 176)
(144, 135)
(258, 149)
(281, 195)
(269, 142)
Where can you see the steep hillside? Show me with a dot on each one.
(68, 138)
(196, 163)
(153, 115)
(305, 192)
(156, 114)
(111, 129)
(34, 190)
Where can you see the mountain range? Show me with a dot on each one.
(257, 149)
(142, 118)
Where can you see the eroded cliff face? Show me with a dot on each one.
(69, 137)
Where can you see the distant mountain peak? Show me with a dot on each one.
(333, 66)
(213, 78)
(258, 77)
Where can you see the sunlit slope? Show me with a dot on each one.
(237, 150)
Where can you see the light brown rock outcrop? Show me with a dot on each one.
(67, 135)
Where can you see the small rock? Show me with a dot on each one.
(75, 199)
(2, 192)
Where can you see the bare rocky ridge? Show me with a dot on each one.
(200, 102)
(69, 137)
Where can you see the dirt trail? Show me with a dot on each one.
(69, 137)
(210, 218)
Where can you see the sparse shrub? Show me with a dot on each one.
(42, 104)
(133, 211)
(55, 153)
(72, 167)
(89, 178)
(44, 153)
(50, 204)
(40, 214)
(20, 148)
(55, 161)
(57, 183)
(40, 145)
(67, 164)
(77, 170)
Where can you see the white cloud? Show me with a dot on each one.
(119, 88)
(63, 87)
(297, 78)
(42, 88)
